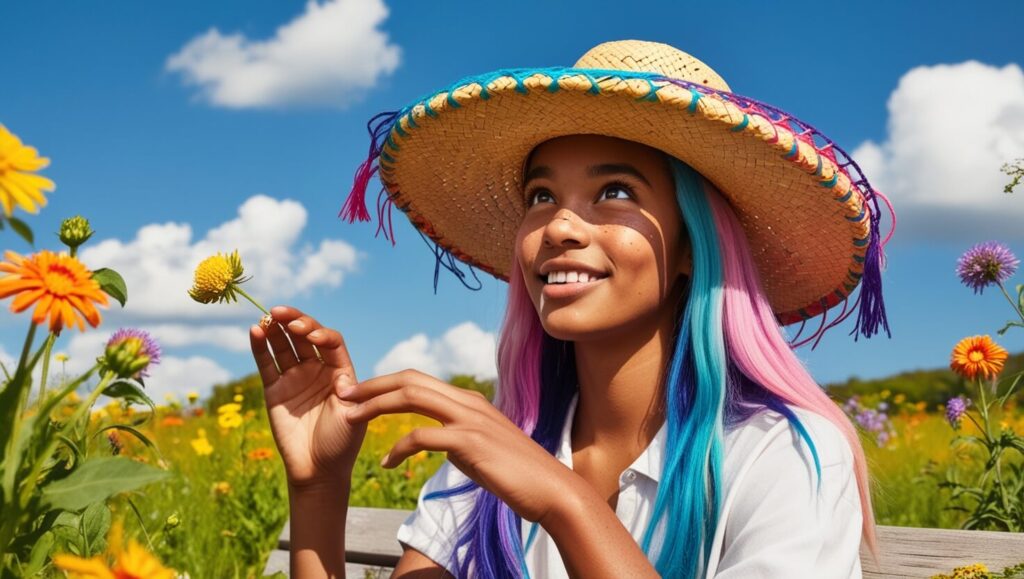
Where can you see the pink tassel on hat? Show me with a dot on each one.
(354, 207)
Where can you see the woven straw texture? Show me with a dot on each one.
(454, 164)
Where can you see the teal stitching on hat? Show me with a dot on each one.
(849, 286)
(742, 125)
(839, 294)
(817, 172)
(554, 86)
(855, 275)
(846, 197)
(694, 97)
(391, 142)
(830, 182)
(858, 258)
(411, 120)
(792, 150)
(862, 242)
(388, 158)
(858, 217)
(652, 93)
(454, 103)
(401, 131)
(803, 314)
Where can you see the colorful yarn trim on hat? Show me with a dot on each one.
(387, 130)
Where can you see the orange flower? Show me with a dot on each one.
(172, 421)
(261, 453)
(978, 355)
(60, 286)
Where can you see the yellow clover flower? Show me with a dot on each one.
(202, 445)
(228, 415)
(19, 185)
(217, 278)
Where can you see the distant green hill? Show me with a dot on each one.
(934, 386)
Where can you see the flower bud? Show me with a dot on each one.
(129, 353)
(75, 231)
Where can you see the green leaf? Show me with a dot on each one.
(129, 390)
(99, 479)
(22, 229)
(1008, 326)
(130, 430)
(40, 552)
(1020, 296)
(111, 282)
(95, 523)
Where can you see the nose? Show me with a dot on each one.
(566, 229)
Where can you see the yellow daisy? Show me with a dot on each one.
(19, 185)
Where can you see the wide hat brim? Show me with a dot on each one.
(453, 162)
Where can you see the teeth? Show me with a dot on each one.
(571, 277)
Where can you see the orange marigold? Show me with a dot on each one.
(61, 287)
(172, 420)
(978, 355)
(261, 453)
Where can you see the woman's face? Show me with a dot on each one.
(601, 246)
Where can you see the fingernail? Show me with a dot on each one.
(314, 334)
(296, 325)
(347, 391)
(384, 460)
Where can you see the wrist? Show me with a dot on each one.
(320, 491)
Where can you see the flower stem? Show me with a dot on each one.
(254, 302)
(1009, 299)
(46, 365)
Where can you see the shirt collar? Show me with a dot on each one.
(649, 463)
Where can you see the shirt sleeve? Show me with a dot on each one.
(779, 526)
(432, 528)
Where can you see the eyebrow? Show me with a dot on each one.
(543, 171)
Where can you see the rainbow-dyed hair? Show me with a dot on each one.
(731, 360)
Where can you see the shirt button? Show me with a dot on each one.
(630, 476)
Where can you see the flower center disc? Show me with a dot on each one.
(59, 280)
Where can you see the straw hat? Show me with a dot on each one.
(453, 163)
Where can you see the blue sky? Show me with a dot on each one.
(929, 101)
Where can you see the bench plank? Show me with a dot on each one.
(906, 551)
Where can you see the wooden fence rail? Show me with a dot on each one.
(372, 550)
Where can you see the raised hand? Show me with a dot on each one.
(316, 441)
(480, 441)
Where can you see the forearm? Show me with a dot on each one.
(318, 531)
(592, 540)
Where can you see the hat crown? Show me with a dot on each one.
(646, 56)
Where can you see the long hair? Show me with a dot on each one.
(730, 360)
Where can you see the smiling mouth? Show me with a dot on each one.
(570, 277)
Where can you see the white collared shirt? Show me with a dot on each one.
(772, 523)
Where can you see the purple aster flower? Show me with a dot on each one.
(955, 410)
(130, 352)
(985, 264)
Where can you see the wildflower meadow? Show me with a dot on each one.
(97, 479)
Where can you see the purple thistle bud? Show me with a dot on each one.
(985, 264)
(130, 352)
(955, 410)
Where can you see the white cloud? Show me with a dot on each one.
(173, 374)
(328, 55)
(463, 349)
(158, 265)
(950, 129)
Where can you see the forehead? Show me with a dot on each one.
(578, 152)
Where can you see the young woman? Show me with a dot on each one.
(650, 418)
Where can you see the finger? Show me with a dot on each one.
(261, 353)
(390, 382)
(297, 330)
(418, 399)
(420, 439)
(332, 348)
(281, 347)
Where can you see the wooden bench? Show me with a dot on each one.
(373, 551)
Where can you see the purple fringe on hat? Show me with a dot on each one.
(355, 206)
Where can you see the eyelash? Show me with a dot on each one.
(531, 199)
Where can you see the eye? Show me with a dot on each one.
(616, 191)
(539, 196)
